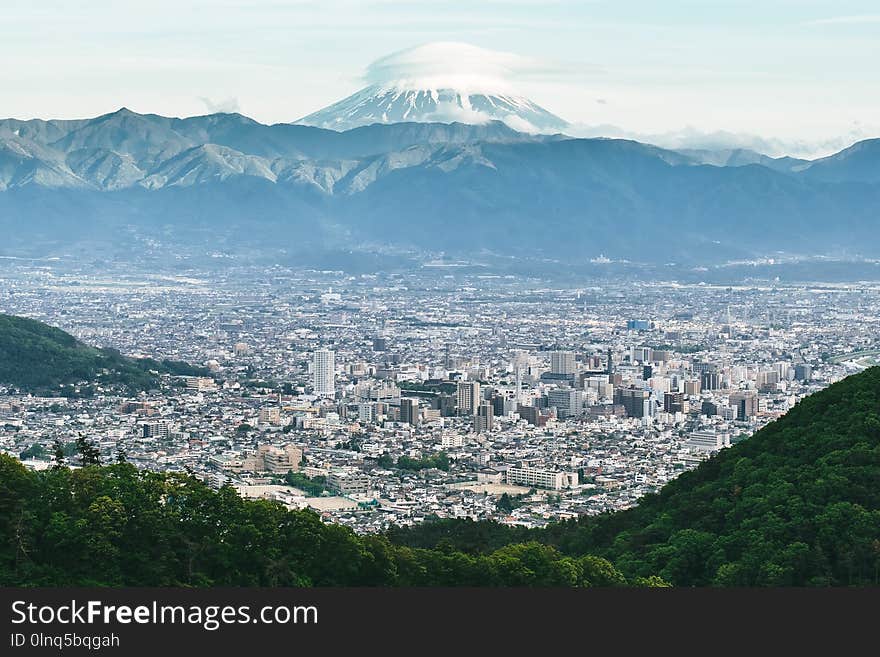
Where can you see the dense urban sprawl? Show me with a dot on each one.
(390, 398)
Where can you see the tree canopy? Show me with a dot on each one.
(35, 357)
(797, 504)
(115, 525)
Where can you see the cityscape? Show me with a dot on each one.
(394, 398)
(535, 324)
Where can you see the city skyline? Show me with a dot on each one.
(572, 400)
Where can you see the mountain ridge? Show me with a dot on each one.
(124, 149)
(224, 180)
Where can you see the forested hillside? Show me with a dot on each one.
(114, 525)
(796, 504)
(35, 357)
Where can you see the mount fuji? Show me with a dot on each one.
(438, 154)
(410, 102)
(439, 83)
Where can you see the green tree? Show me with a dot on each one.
(58, 453)
(88, 453)
(505, 503)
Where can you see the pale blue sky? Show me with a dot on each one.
(793, 69)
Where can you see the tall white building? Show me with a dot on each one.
(367, 412)
(562, 362)
(324, 373)
(568, 402)
(468, 397)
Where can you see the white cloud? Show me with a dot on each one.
(520, 124)
(454, 64)
(691, 137)
(226, 106)
(451, 113)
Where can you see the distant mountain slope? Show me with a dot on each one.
(226, 181)
(35, 357)
(125, 149)
(795, 504)
(615, 197)
(859, 163)
(737, 157)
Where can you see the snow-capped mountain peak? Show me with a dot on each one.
(439, 82)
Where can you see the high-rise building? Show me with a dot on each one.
(498, 404)
(746, 403)
(518, 394)
(639, 354)
(562, 362)
(467, 397)
(709, 408)
(674, 402)
(784, 370)
(324, 373)
(767, 380)
(568, 402)
(157, 429)
(634, 400)
(380, 344)
(484, 418)
(710, 380)
(661, 355)
(446, 404)
(528, 413)
(367, 412)
(409, 411)
(803, 372)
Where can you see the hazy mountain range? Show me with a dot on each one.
(227, 181)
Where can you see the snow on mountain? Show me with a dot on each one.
(440, 83)
(412, 101)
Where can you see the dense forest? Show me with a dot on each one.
(797, 504)
(35, 357)
(116, 525)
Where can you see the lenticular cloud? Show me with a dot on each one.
(450, 64)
